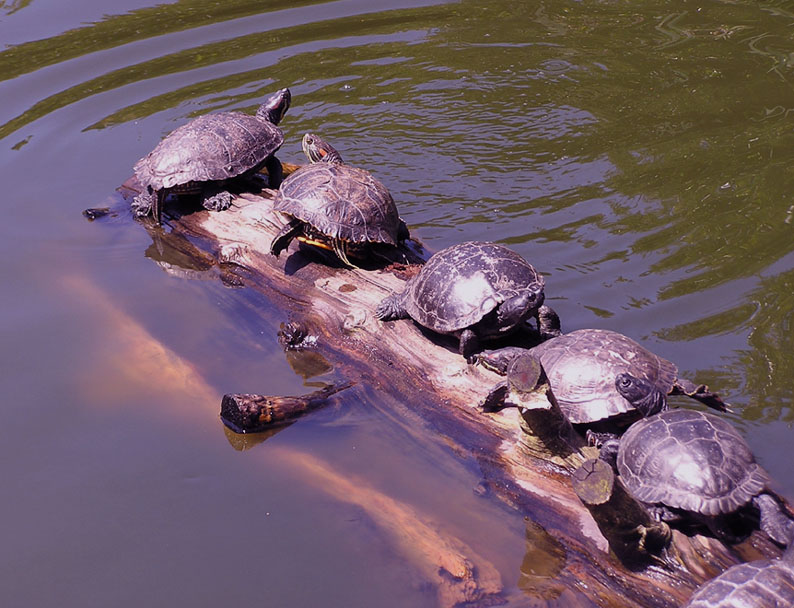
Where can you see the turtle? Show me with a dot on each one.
(474, 290)
(764, 583)
(693, 466)
(336, 206)
(201, 155)
(581, 367)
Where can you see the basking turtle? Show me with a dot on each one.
(198, 157)
(581, 367)
(335, 206)
(472, 290)
(688, 465)
(765, 583)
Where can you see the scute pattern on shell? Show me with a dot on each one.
(462, 283)
(212, 147)
(689, 460)
(341, 202)
(582, 366)
(762, 583)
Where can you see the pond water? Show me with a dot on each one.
(639, 154)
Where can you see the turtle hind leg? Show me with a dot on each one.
(700, 392)
(774, 521)
(284, 237)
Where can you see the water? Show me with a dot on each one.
(639, 155)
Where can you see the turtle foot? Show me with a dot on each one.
(391, 308)
(218, 202)
(142, 204)
(495, 400)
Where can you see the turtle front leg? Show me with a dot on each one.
(548, 321)
(284, 237)
(495, 400)
(275, 172)
(145, 203)
(391, 308)
(469, 344)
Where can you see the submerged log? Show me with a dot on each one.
(441, 391)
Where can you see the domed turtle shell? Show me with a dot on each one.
(213, 147)
(765, 583)
(339, 201)
(582, 365)
(461, 284)
(689, 460)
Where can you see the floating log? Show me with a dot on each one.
(441, 393)
(248, 413)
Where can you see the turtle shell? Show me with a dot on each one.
(689, 460)
(461, 284)
(212, 147)
(582, 366)
(341, 202)
(765, 582)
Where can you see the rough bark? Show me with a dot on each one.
(335, 304)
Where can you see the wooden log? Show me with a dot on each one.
(441, 391)
(631, 531)
(249, 413)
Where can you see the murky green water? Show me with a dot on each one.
(639, 154)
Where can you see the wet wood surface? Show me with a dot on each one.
(442, 394)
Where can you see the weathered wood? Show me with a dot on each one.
(248, 413)
(442, 394)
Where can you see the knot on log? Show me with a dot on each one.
(233, 253)
(355, 319)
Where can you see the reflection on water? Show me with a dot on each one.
(639, 154)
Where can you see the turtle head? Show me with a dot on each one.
(317, 150)
(641, 393)
(275, 106)
(514, 310)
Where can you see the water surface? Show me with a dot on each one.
(638, 154)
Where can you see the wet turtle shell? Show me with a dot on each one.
(335, 204)
(475, 288)
(212, 148)
(765, 583)
(582, 366)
